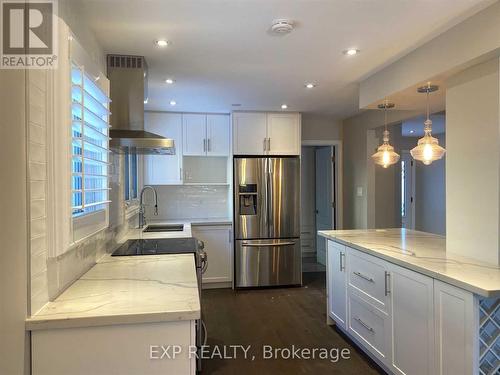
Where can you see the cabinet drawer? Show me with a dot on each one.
(369, 326)
(368, 276)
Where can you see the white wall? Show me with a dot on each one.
(320, 127)
(476, 37)
(430, 194)
(473, 162)
(14, 262)
(359, 142)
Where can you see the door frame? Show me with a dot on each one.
(337, 191)
(413, 167)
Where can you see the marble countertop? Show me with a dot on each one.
(123, 290)
(425, 253)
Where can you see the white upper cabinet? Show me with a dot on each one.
(283, 133)
(164, 169)
(194, 134)
(249, 133)
(256, 133)
(218, 135)
(205, 135)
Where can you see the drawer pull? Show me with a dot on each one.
(367, 278)
(365, 325)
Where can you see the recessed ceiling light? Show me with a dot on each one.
(412, 131)
(173, 102)
(310, 85)
(284, 106)
(351, 51)
(169, 81)
(162, 43)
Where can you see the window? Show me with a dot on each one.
(131, 179)
(90, 144)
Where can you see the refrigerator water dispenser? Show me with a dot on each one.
(248, 199)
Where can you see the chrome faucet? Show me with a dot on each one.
(142, 218)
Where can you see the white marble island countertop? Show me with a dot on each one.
(425, 253)
(123, 290)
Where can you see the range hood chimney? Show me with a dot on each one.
(128, 85)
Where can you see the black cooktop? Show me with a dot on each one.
(157, 246)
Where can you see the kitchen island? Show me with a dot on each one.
(118, 317)
(411, 305)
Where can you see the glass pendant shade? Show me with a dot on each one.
(428, 148)
(385, 155)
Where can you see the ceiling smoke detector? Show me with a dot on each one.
(282, 26)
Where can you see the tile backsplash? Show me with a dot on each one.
(189, 202)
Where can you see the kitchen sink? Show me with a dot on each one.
(164, 228)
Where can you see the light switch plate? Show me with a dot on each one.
(359, 191)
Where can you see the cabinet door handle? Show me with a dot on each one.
(342, 259)
(365, 325)
(268, 144)
(180, 174)
(204, 145)
(208, 145)
(387, 283)
(367, 278)
(265, 144)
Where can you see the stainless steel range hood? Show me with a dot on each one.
(128, 86)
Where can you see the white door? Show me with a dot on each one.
(249, 133)
(337, 283)
(218, 135)
(283, 133)
(412, 301)
(407, 190)
(324, 202)
(218, 242)
(164, 169)
(194, 134)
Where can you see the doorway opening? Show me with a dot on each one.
(319, 197)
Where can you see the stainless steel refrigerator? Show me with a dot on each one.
(267, 221)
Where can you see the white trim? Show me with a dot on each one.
(338, 188)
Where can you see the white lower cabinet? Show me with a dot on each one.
(217, 240)
(337, 291)
(126, 349)
(456, 322)
(370, 327)
(412, 303)
(411, 324)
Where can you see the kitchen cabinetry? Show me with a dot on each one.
(283, 134)
(164, 169)
(93, 350)
(249, 133)
(412, 304)
(337, 291)
(455, 327)
(256, 133)
(218, 246)
(205, 135)
(408, 322)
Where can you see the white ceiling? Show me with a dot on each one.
(222, 52)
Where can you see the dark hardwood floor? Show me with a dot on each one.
(279, 317)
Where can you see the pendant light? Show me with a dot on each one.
(428, 148)
(385, 155)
